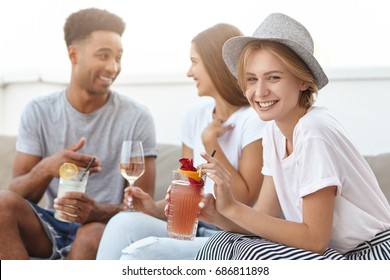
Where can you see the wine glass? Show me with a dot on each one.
(132, 164)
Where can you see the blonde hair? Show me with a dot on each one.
(292, 61)
(209, 45)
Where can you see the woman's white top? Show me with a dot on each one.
(323, 155)
(248, 128)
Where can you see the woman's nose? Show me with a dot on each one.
(261, 89)
(189, 72)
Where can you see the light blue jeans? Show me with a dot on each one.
(137, 236)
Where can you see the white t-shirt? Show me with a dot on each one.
(248, 128)
(324, 156)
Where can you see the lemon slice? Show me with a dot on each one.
(191, 174)
(68, 170)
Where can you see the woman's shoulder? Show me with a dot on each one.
(319, 122)
(318, 117)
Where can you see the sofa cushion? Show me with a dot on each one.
(7, 154)
(380, 165)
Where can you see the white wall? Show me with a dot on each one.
(360, 99)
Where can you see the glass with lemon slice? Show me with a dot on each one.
(186, 191)
(72, 179)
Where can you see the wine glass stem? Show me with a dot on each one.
(130, 199)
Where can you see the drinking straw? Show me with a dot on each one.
(200, 169)
(87, 168)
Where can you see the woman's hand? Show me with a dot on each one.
(214, 130)
(142, 201)
(224, 199)
(207, 211)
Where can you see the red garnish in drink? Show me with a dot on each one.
(187, 167)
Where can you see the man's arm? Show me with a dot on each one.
(31, 174)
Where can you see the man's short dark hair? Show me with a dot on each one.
(81, 24)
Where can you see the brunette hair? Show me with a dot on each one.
(81, 24)
(209, 45)
(292, 61)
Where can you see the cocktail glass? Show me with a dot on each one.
(183, 212)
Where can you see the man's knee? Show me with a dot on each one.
(11, 204)
(86, 242)
(90, 234)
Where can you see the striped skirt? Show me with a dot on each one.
(376, 249)
(232, 246)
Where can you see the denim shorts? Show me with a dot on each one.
(61, 234)
(206, 230)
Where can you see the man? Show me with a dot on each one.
(83, 121)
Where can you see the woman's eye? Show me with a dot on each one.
(273, 78)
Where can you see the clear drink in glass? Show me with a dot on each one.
(75, 184)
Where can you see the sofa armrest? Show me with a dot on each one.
(7, 155)
(380, 165)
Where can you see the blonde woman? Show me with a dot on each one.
(313, 174)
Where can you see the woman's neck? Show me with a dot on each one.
(223, 110)
(287, 126)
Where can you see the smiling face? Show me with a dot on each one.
(271, 89)
(198, 72)
(96, 61)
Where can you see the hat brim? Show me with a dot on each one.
(232, 48)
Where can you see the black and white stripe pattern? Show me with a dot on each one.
(375, 249)
(231, 246)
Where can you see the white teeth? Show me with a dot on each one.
(105, 79)
(266, 104)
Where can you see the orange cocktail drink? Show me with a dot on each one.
(184, 210)
(184, 196)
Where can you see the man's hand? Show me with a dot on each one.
(71, 154)
(78, 207)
